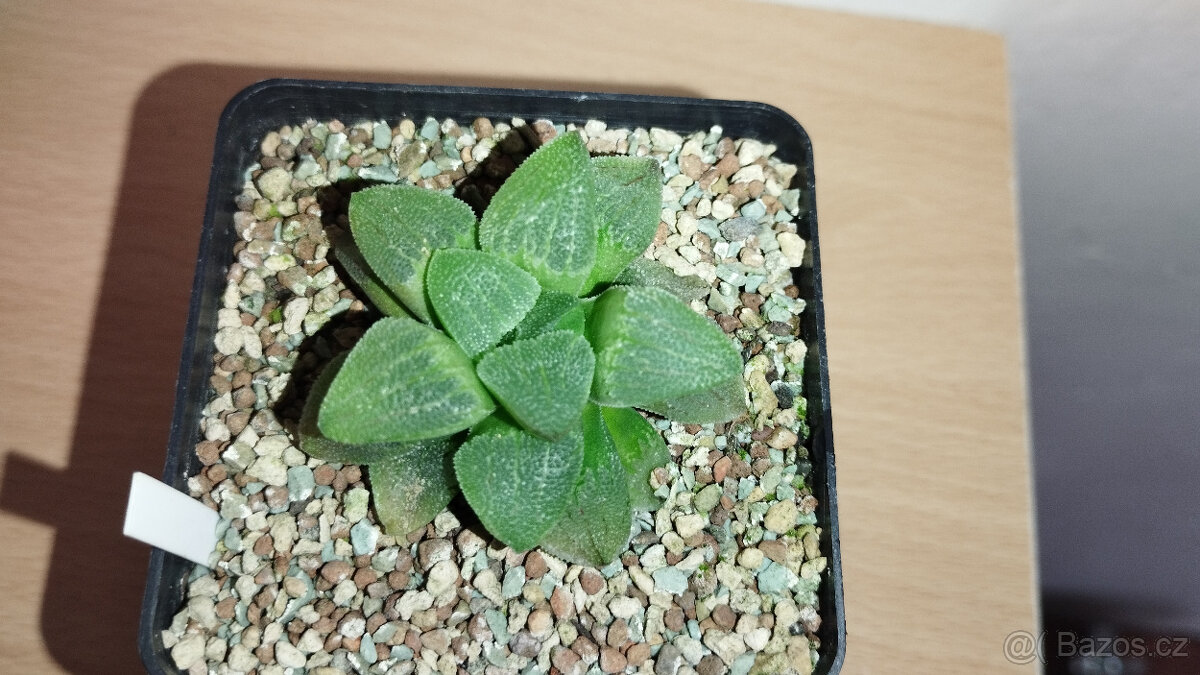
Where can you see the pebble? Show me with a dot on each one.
(689, 525)
(485, 582)
(288, 656)
(274, 184)
(514, 581)
(670, 580)
(591, 582)
(668, 660)
(781, 517)
(270, 470)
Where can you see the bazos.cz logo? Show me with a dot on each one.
(1022, 647)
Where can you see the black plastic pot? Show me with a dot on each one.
(271, 104)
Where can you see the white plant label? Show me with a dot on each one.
(164, 517)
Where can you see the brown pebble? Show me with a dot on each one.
(728, 323)
(618, 634)
(438, 640)
(711, 664)
(277, 496)
(637, 654)
(264, 545)
(209, 452)
(760, 466)
(482, 127)
(225, 608)
(587, 650)
(242, 378)
(591, 581)
(565, 659)
(365, 576)
(752, 300)
(561, 603)
(237, 422)
(265, 653)
(336, 571)
(397, 580)
(244, 398)
(220, 384)
(324, 474)
(673, 619)
(535, 565)
(724, 616)
(727, 165)
(721, 468)
(612, 661)
(333, 642)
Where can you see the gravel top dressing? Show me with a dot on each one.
(722, 578)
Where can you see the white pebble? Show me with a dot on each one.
(268, 469)
(624, 607)
(288, 656)
(229, 341)
(188, 651)
(689, 524)
(757, 638)
(722, 210)
(293, 315)
(792, 247)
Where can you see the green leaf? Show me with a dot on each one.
(628, 201)
(596, 525)
(645, 272)
(346, 254)
(543, 217)
(413, 484)
(546, 312)
(315, 444)
(650, 348)
(403, 381)
(641, 449)
(397, 228)
(721, 402)
(478, 296)
(542, 381)
(518, 484)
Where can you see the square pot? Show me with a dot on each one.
(269, 105)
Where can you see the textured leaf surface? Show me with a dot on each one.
(721, 402)
(641, 450)
(403, 381)
(650, 347)
(412, 485)
(543, 381)
(596, 525)
(346, 254)
(518, 484)
(315, 444)
(645, 272)
(628, 202)
(397, 228)
(546, 312)
(477, 296)
(543, 217)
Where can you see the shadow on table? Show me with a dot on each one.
(94, 592)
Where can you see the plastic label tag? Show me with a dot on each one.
(164, 517)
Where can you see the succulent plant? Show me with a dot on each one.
(514, 351)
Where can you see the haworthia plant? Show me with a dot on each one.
(539, 329)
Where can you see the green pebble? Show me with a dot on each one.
(773, 579)
(755, 209)
(706, 500)
(402, 653)
(363, 537)
(429, 169)
(498, 625)
(366, 649)
(430, 130)
(514, 580)
(742, 664)
(670, 579)
(300, 483)
(381, 136)
(384, 173)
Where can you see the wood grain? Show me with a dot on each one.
(106, 134)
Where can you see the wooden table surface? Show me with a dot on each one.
(106, 126)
